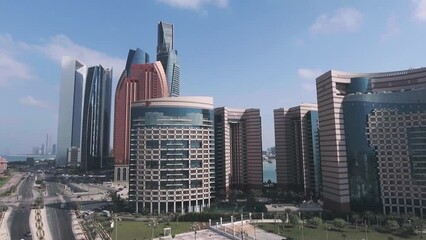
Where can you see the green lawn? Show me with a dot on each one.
(4, 180)
(130, 230)
(321, 234)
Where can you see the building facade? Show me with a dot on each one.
(168, 57)
(372, 140)
(172, 154)
(144, 81)
(297, 149)
(73, 74)
(238, 150)
(96, 119)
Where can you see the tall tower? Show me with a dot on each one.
(297, 149)
(70, 108)
(96, 119)
(168, 57)
(139, 81)
(238, 151)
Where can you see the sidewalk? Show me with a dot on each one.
(4, 230)
(13, 181)
(76, 227)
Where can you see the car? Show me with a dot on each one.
(28, 234)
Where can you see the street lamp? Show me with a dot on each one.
(194, 228)
(116, 219)
(153, 224)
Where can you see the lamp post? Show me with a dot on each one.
(194, 227)
(365, 228)
(116, 219)
(153, 224)
(300, 216)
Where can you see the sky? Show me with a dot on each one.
(244, 53)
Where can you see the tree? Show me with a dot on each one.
(294, 219)
(339, 223)
(368, 216)
(392, 225)
(355, 218)
(419, 225)
(315, 222)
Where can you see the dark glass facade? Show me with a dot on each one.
(96, 119)
(168, 57)
(379, 130)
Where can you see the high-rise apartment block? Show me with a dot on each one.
(297, 149)
(168, 57)
(70, 108)
(238, 139)
(373, 141)
(139, 81)
(96, 119)
(172, 154)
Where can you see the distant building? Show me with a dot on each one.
(168, 57)
(30, 161)
(238, 138)
(96, 119)
(373, 141)
(138, 82)
(297, 149)
(70, 108)
(74, 156)
(172, 154)
(3, 165)
(53, 149)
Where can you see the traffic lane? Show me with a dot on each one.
(19, 221)
(59, 219)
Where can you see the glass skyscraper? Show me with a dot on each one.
(168, 57)
(70, 108)
(96, 119)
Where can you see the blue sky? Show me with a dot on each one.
(245, 53)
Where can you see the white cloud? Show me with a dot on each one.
(31, 101)
(195, 4)
(341, 20)
(392, 28)
(308, 77)
(419, 12)
(60, 45)
(309, 74)
(11, 68)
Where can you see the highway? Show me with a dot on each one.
(59, 219)
(19, 219)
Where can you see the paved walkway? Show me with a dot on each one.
(76, 227)
(4, 229)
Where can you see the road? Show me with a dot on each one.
(59, 219)
(19, 219)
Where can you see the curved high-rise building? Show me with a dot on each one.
(96, 119)
(144, 81)
(70, 108)
(172, 160)
(168, 57)
(372, 130)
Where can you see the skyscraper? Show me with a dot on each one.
(297, 149)
(372, 139)
(168, 57)
(238, 140)
(70, 108)
(138, 82)
(172, 154)
(96, 119)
